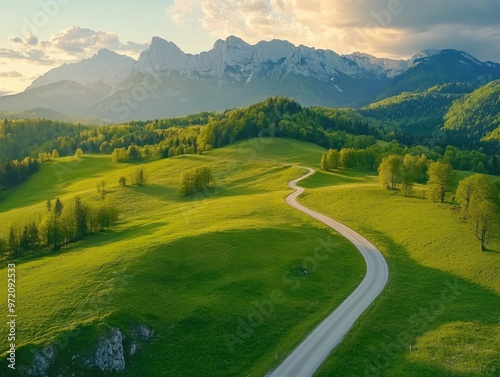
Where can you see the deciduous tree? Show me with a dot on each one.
(440, 178)
(390, 171)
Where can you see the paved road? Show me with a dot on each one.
(313, 351)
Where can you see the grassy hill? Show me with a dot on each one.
(439, 314)
(197, 270)
(190, 268)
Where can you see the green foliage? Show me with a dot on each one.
(15, 172)
(195, 180)
(122, 181)
(139, 177)
(440, 179)
(282, 117)
(390, 170)
(478, 197)
(79, 153)
(484, 219)
(473, 190)
(415, 112)
(61, 225)
(477, 114)
(330, 160)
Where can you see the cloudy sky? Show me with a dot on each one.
(37, 35)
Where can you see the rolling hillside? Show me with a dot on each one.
(191, 269)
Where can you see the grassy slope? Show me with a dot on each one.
(427, 248)
(191, 268)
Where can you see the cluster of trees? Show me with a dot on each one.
(407, 170)
(477, 195)
(195, 180)
(132, 153)
(61, 224)
(395, 171)
(15, 172)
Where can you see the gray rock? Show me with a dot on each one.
(41, 363)
(109, 355)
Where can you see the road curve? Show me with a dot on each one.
(313, 351)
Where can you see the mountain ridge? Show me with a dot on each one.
(165, 81)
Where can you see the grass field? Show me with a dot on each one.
(193, 269)
(220, 276)
(439, 314)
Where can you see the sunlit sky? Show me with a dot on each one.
(37, 35)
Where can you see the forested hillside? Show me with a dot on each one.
(26, 143)
(417, 112)
(477, 114)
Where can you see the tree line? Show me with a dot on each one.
(15, 172)
(279, 117)
(60, 225)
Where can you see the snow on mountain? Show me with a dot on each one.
(241, 61)
(165, 81)
(379, 66)
(422, 55)
(104, 71)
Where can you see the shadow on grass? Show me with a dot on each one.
(416, 301)
(196, 291)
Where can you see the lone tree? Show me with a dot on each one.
(440, 178)
(101, 189)
(474, 190)
(139, 177)
(390, 171)
(79, 153)
(484, 220)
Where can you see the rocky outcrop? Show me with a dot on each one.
(108, 355)
(41, 363)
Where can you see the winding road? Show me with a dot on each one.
(313, 351)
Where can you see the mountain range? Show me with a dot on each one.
(166, 82)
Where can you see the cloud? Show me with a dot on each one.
(37, 56)
(11, 74)
(381, 27)
(78, 40)
(67, 45)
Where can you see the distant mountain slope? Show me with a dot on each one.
(443, 67)
(167, 82)
(477, 114)
(49, 114)
(417, 112)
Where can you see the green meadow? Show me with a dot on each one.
(228, 278)
(438, 316)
